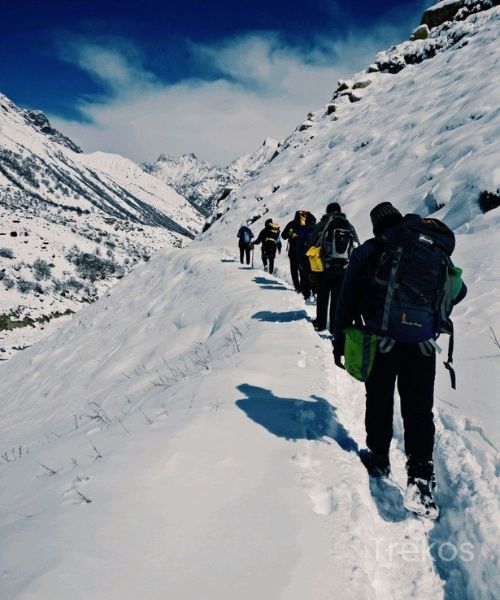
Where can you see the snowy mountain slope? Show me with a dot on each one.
(204, 184)
(150, 189)
(427, 139)
(214, 449)
(188, 434)
(71, 223)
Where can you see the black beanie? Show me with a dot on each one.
(384, 215)
(333, 207)
(268, 222)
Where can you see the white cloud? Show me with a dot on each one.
(116, 65)
(265, 88)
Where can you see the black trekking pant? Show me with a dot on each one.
(329, 284)
(305, 281)
(294, 272)
(245, 253)
(415, 375)
(268, 255)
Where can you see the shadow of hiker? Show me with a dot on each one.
(280, 317)
(294, 419)
(269, 284)
(315, 419)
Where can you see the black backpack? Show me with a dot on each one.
(245, 236)
(411, 291)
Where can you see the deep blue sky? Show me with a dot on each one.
(159, 36)
(32, 74)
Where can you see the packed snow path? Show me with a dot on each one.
(188, 436)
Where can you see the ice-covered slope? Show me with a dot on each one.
(204, 184)
(71, 223)
(188, 434)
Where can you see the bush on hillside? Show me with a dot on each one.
(41, 269)
(488, 201)
(93, 267)
(6, 253)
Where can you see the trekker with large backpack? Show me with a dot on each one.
(334, 238)
(245, 237)
(398, 291)
(269, 237)
(298, 233)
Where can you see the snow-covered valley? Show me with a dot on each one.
(71, 224)
(188, 435)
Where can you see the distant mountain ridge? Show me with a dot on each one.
(204, 184)
(72, 223)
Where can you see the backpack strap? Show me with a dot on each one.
(429, 347)
(386, 344)
(391, 287)
(449, 362)
(321, 233)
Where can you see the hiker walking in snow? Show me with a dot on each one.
(289, 234)
(298, 233)
(334, 237)
(269, 237)
(403, 285)
(245, 237)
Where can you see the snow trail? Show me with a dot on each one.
(202, 442)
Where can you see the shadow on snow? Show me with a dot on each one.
(294, 419)
(315, 419)
(269, 284)
(388, 500)
(280, 317)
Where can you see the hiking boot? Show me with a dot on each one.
(419, 497)
(318, 326)
(377, 465)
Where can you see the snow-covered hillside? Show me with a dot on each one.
(71, 223)
(188, 434)
(204, 184)
(425, 138)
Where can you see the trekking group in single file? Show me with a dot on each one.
(384, 303)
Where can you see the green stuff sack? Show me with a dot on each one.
(455, 275)
(359, 352)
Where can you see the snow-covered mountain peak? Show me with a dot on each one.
(204, 184)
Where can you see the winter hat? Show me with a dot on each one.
(268, 222)
(384, 215)
(333, 207)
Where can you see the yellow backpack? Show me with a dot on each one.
(314, 256)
